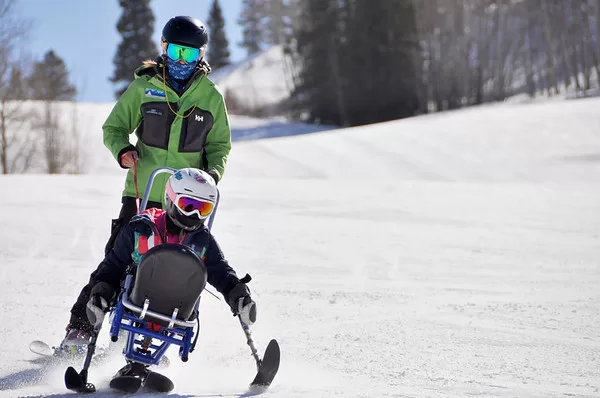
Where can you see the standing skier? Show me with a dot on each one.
(178, 115)
(190, 196)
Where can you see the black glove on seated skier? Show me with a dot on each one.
(242, 304)
(99, 303)
(214, 175)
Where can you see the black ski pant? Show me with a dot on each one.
(128, 209)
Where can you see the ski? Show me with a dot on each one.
(126, 384)
(135, 376)
(77, 382)
(41, 348)
(51, 353)
(268, 366)
(129, 378)
(156, 382)
(44, 350)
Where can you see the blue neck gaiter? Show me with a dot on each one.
(179, 71)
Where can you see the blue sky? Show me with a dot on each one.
(83, 33)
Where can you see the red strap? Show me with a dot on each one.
(143, 244)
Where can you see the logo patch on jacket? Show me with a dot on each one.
(142, 244)
(153, 111)
(155, 93)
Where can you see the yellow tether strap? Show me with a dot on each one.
(167, 97)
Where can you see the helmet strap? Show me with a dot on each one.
(171, 225)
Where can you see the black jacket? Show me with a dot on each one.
(148, 225)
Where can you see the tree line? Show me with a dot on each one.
(361, 61)
(475, 51)
(136, 27)
(350, 62)
(30, 134)
(38, 135)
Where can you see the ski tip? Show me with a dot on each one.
(273, 346)
(41, 348)
(159, 383)
(38, 343)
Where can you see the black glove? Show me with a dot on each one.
(101, 297)
(242, 304)
(214, 175)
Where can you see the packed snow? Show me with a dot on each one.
(451, 255)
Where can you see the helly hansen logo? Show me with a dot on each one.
(153, 111)
(199, 118)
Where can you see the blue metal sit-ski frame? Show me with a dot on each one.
(178, 332)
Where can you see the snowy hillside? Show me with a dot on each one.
(448, 255)
(555, 141)
(257, 82)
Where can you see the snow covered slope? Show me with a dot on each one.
(447, 255)
(551, 141)
(259, 81)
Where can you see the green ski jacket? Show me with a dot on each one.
(191, 130)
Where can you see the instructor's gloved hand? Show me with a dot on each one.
(127, 160)
(242, 304)
(99, 303)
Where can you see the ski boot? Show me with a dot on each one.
(74, 344)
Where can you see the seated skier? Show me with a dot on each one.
(190, 196)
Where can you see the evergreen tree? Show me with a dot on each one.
(50, 80)
(359, 61)
(18, 84)
(277, 20)
(383, 50)
(317, 45)
(218, 49)
(251, 22)
(136, 26)
(268, 22)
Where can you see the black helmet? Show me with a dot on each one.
(186, 31)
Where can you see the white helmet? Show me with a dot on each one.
(190, 197)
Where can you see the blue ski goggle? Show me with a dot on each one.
(178, 52)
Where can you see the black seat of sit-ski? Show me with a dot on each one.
(170, 276)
